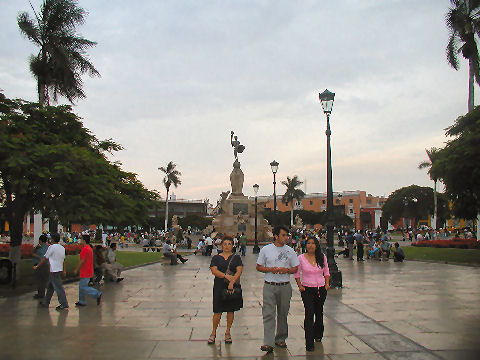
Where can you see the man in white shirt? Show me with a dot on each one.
(277, 261)
(56, 257)
(209, 244)
(114, 268)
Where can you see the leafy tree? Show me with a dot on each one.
(310, 217)
(458, 166)
(292, 193)
(172, 177)
(432, 155)
(62, 57)
(463, 23)
(49, 162)
(413, 202)
(195, 221)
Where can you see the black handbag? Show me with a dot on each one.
(236, 293)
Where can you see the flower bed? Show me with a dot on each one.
(459, 243)
(27, 250)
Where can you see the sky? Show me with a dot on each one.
(177, 76)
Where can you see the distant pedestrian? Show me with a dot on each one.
(85, 265)
(42, 272)
(209, 245)
(350, 242)
(115, 268)
(56, 257)
(277, 261)
(243, 244)
(359, 241)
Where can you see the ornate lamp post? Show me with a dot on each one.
(274, 166)
(256, 248)
(326, 99)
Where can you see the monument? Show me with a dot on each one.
(235, 211)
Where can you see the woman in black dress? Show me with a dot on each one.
(222, 281)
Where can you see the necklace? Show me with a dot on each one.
(310, 258)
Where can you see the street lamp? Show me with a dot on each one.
(274, 166)
(256, 249)
(326, 99)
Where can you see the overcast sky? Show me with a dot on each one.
(178, 76)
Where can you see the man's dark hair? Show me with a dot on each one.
(113, 245)
(99, 247)
(276, 230)
(43, 238)
(397, 245)
(86, 238)
(56, 237)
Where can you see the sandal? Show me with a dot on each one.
(282, 345)
(228, 339)
(211, 340)
(267, 348)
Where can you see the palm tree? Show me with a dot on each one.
(463, 20)
(292, 194)
(432, 155)
(172, 177)
(62, 57)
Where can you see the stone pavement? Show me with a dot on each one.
(386, 310)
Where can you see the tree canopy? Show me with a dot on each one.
(62, 57)
(414, 202)
(50, 162)
(458, 165)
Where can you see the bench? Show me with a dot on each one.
(153, 248)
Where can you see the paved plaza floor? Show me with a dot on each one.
(386, 310)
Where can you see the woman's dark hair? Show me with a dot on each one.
(227, 238)
(318, 252)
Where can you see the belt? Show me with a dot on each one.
(277, 283)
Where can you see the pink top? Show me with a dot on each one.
(312, 276)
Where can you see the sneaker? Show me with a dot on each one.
(61, 307)
(119, 279)
(184, 261)
(99, 299)
(78, 304)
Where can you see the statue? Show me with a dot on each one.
(174, 220)
(237, 147)
(221, 202)
(298, 222)
(236, 179)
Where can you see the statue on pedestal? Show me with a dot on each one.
(236, 177)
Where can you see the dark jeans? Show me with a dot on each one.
(55, 284)
(313, 300)
(209, 250)
(172, 257)
(397, 257)
(41, 279)
(359, 252)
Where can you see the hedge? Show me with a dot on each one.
(459, 243)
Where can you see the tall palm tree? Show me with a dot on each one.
(172, 177)
(432, 155)
(292, 193)
(62, 57)
(463, 22)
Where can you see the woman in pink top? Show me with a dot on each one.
(313, 280)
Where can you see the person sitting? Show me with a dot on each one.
(145, 243)
(375, 251)
(200, 247)
(179, 257)
(385, 247)
(98, 265)
(398, 254)
(344, 252)
(113, 268)
(168, 253)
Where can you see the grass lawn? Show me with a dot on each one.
(126, 258)
(465, 256)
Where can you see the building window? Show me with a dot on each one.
(323, 201)
(369, 201)
(350, 201)
(311, 202)
(337, 201)
(350, 211)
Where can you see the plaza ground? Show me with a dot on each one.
(386, 310)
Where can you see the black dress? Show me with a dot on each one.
(219, 284)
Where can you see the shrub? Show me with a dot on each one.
(452, 243)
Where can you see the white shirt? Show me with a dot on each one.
(55, 255)
(110, 256)
(277, 256)
(209, 241)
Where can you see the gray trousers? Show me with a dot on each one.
(55, 283)
(276, 301)
(350, 251)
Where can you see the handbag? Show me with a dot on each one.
(236, 293)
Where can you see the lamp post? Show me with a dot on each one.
(274, 166)
(340, 240)
(256, 248)
(326, 99)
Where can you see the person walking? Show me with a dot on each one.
(350, 241)
(56, 257)
(243, 244)
(209, 244)
(41, 273)
(227, 268)
(359, 241)
(85, 265)
(313, 280)
(277, 261)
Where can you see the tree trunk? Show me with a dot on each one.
(41, 92)
(291, 215)
(166, 214)
(471, 83)
(434, 225)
